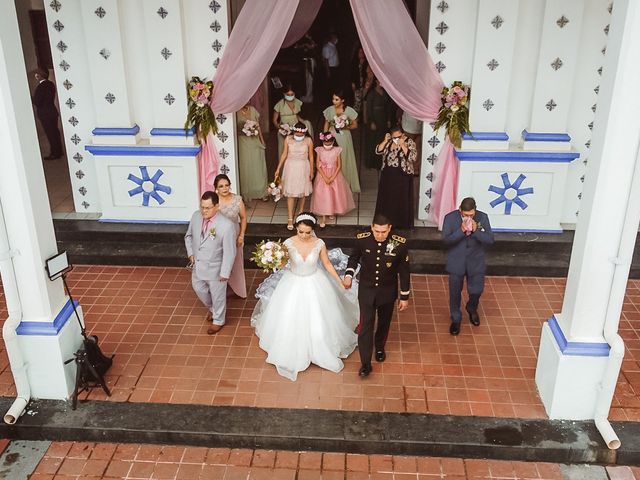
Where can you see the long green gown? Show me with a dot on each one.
(344, 140)
(251, 159)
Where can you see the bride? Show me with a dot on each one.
(309, 317)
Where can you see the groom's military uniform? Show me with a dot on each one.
(381, 263)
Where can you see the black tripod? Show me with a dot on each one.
(91, 363)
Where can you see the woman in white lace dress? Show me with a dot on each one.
(309, 317)
(232, 207)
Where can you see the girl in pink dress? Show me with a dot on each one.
(331, 192)
(296, 165)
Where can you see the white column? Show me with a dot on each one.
(163, 33)
(492, 65)
(103, 45)
(569, 382)
(68, 48)
(451, 39)
(560, 40)
(46, 335)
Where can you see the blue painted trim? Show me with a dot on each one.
(545, 137)
(524, 230)
(584, 349)
(48, 329)
(501, 136)
(139, 151)
(116, 131)
(518, 156)
(152, 222)
(172, 132)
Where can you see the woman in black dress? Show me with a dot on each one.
(395, 190)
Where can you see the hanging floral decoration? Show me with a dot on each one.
(454, 112)
(200, 117)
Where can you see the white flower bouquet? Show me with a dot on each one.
(270, 256)
(275, 190)
(285, 129)
(250, 128)
(340, 121)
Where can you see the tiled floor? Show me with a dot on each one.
(151, 319)
(71, 461)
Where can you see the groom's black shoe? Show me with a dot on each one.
(380, 356)
(364, 371)
(474, 318)
(454, 329)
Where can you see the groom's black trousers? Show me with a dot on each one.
(366, 336)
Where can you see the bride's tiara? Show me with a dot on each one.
(305, 216)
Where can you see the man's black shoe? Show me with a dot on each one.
(380, 356)
(474, 318)
(454, 329)
(364, 371)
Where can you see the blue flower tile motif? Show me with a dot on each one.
(148, 186)
(510, 193)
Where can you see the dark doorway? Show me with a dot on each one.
(41, 38)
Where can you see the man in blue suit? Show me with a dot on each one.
(466, 233)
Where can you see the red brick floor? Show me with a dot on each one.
(153, 322)
(71, 461)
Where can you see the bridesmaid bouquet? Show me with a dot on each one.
(340, 121)
(250, 128)
(270, 256)
(454, 112)
(275, 190)
(285, 129)
(199, 114)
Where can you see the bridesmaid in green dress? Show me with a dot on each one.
(343, 137)
(251, 156)
(287, 110)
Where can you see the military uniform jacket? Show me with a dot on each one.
(381, 263)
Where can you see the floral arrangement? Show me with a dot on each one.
(200, 117)
(326, 138)
(212, 233)
(454, 112)
(270, 256)
(339, 122)
(285, 129)
(275, 190)
(250, 128)
(391, 247)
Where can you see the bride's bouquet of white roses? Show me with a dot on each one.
(270, 256)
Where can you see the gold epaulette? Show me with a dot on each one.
(363, 235)
(398, 238)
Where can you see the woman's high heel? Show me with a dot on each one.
(289, 224)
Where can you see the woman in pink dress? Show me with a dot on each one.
(296, 165)
(232, 207)
(331, 192)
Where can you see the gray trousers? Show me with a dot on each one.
(213, 293)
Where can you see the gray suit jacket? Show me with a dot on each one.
(214, 254)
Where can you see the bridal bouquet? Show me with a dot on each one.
(454, 112)
(275, 190)
(270, 256)
(250, 128)
(340, 121)
(200, 117)
(285, 129)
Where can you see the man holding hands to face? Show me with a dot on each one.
(466, 233)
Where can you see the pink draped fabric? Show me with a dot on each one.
(404, 67)
(304, 17)
(253, 45)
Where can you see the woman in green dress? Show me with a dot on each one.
(287, 112)
(377, 121)
(333, 121)
(251, 154)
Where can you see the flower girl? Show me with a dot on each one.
(331, 192)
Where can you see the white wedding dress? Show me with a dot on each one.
(307, 317)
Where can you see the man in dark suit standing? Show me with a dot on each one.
(466, 233)
(47, 113)
(383, 257)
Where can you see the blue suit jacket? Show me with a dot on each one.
(466, 253)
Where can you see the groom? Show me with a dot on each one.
(211, 248)
(383, 257)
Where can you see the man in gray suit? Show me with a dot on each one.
(211, 247)
(466, 233)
